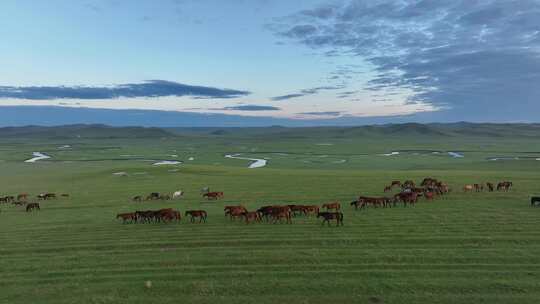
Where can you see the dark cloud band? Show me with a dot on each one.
(151, 88)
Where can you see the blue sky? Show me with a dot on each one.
(253, 61)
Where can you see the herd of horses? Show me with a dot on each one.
(156, 196)
(501, 186)
(409, 194)
(22, 199)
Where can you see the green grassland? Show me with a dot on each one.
(462, 248)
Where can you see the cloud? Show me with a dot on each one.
(478, 57)
(305, 92)
(285, 97)
(248, 108)
(325, 113)
(150, 88)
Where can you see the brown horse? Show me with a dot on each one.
(253, 216)
(490, 186)
(406, 198)
(478, 187)
(236, 213)
(332, 206)
(213, 195)
(387, 188)
(201, 214)
(22, 196)
(229, 210)
(280, 213)
(127, 217)
(504, 186)
(312, 209)
(32, 206)
(297, 210)
(328, 216)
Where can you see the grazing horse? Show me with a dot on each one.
(32, 206)
(50, 196)
(201, 214)
(65, 195)
(236, 212)
(429, 195)
(19, 203)
(408, 184)
(253, 216)
(281, 212)
(535, 200)
(406, 198)
(213, 195)
(22, 196)
(478, 187)
(387, 188)
(490, 186)
(127, 217)
(364, 201)
(137, 198)
(153, 196)
(395, 183)
(328, 216)
(505, 186)
(234, 209)
(468, 188)
(313, 209)
(3, 200)
(9, 199)
(178, 194)
(297, 210)
(332, 206)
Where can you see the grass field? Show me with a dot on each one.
(463, 248)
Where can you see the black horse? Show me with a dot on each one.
(535, 201)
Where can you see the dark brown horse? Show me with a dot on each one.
(328, 216)
(32, 206)
(278, 213)
(201, 214)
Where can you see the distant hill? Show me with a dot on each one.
(82, 131)
(406, 130)
(373, 131)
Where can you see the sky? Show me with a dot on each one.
(264, 62)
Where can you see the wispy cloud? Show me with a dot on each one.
(151, 88)
(305, 92)
(247, 108)
(322, 113)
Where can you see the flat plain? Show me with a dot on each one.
(461, 248)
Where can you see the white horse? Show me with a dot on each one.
(178, 194)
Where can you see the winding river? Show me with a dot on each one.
(37, 156)
(256, 163)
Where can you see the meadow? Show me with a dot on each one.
(461, 248)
